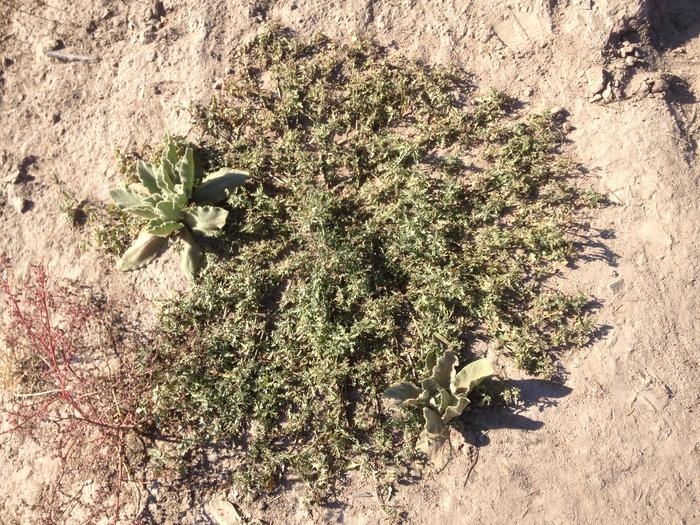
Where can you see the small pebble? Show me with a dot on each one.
(21, 205)
(617, 285)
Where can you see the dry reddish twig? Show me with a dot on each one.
(80, 373)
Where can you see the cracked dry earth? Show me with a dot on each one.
(619, 440)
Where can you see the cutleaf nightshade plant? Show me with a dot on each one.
(167, 198)
(442, 396)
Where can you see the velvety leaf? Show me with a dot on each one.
(471, 375)
(191, 256)
(433, 422)
(167, 209)
(423, 443)
(444, 370)
(169, 158)
(163, 228)
(147, 176)
(402, 392)
(206, 219)
(215, 185)
(153, 199)
(144, 249)
(125, 198)
(185, 170)
(423, 400)
(456, 410)
(164, 177)
(430, 387)
(430, 360)
(145, 212)
(446, 399)
(179, 200)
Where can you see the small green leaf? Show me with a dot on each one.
(206, 219)
(471, 375)
(147, 176)
(163, 228)
(215, 185)
(141, 252)
(402, 392)
(191, 256)
(125, 198)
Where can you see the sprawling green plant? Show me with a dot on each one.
(167, 199)
(443, 394)
(393, 216)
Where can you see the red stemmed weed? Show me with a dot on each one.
(75, 379)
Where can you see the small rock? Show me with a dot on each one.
(222, 512)
(607, 93)
(644, 88)
(659, 85)
(485, 36)
(617, 285)
(55, 118)
(22, 205)
(107, 13)
(52, 44)
(147, 35)
(14, 177)
(626, 51)
(7, 61)
(596, 79)
(158, 10)
(218, 84)
(630, 60)
(229, 70)
(596, 98)
(91, 27)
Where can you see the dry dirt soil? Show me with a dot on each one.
(619, 440)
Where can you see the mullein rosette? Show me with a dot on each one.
(167, 198)
(442, 396)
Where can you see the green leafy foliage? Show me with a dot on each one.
(167, 200)
(443, 395)
(391, 216)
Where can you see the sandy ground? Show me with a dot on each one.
(619, 442)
